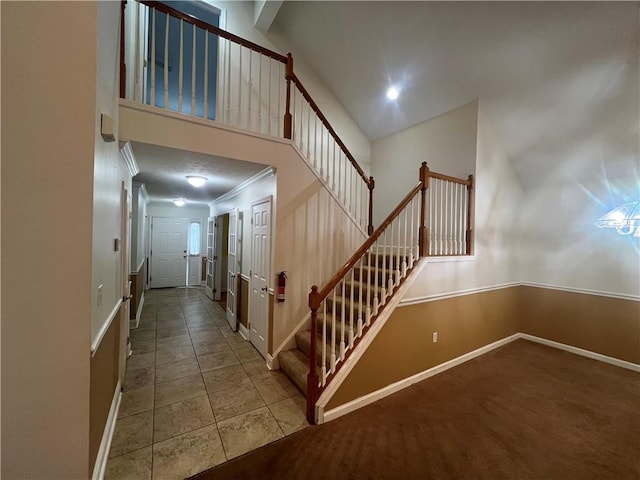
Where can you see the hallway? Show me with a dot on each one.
(196, 394)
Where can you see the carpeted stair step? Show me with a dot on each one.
(337, 303)
(321, 320)
(354, 289)
(372, 276)
(295, 365)
(385, 260)
(303, 341)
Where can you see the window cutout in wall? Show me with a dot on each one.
(194, 238)
(625, 219)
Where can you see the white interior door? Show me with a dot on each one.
(210, 249)
(125, 284)
(259, 286)
(168, 252)
(232, 271)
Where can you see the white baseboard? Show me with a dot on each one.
(407, 382)
(273, 363)
(584, 353)
(242, 330)
(139, 311)
(107, 436)
(418, 377)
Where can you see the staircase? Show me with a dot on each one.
(357, 300)
(256, 89)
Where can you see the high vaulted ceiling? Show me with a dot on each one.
(559, 80)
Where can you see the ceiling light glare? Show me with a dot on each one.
(196, 180)
(393, 93)
(179, 202)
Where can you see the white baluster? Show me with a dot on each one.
(351, 304)
(166, 63)
(239, 117)
(193, 74)
(360, 299)
(249, 90)
(228, 65)
(383, 290)
(260, 129)
(333, 333)
(342, 330)
(269, 101)
(405, 211)
(152, 100)
(181, 66)
(324, 344)
(205, 108)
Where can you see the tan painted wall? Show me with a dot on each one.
(605, 325)
(104, 379)
(49, 112)
(404, 347)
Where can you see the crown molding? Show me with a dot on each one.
(257, 178)
(129, 159)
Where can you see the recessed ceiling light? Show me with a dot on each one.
(392, 93)
(179, 202)
(196, 180)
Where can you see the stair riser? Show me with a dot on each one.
(370, 277)
(385, 261)
(353, 292)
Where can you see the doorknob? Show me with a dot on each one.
(264, 289)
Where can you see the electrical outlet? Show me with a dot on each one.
(435, 337)
(99, 300)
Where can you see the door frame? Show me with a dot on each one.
(150, 269)
(251, 313)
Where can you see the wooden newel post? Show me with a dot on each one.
(371, 185)
(123, 66)
(312, 377)
(288, 119)
(423, 237)
(470, 215)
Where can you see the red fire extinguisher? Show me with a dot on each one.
(282, 282)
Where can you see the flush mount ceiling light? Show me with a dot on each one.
(393, 93)
(179, 202)
(196, 180)
(625, 219)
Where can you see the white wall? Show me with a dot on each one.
(47, 151)
(243, 201)
(560, 245)
(239, 20)
(457, 143)
(109, 173)
(446, 142)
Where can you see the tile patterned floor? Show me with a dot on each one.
(196, 394)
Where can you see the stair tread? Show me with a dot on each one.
(295, 365)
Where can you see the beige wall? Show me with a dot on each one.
(404, 347)
(49, 108)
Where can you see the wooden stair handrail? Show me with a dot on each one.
(328, 288)
(447, 178)
(161, 7)
(333, 133)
